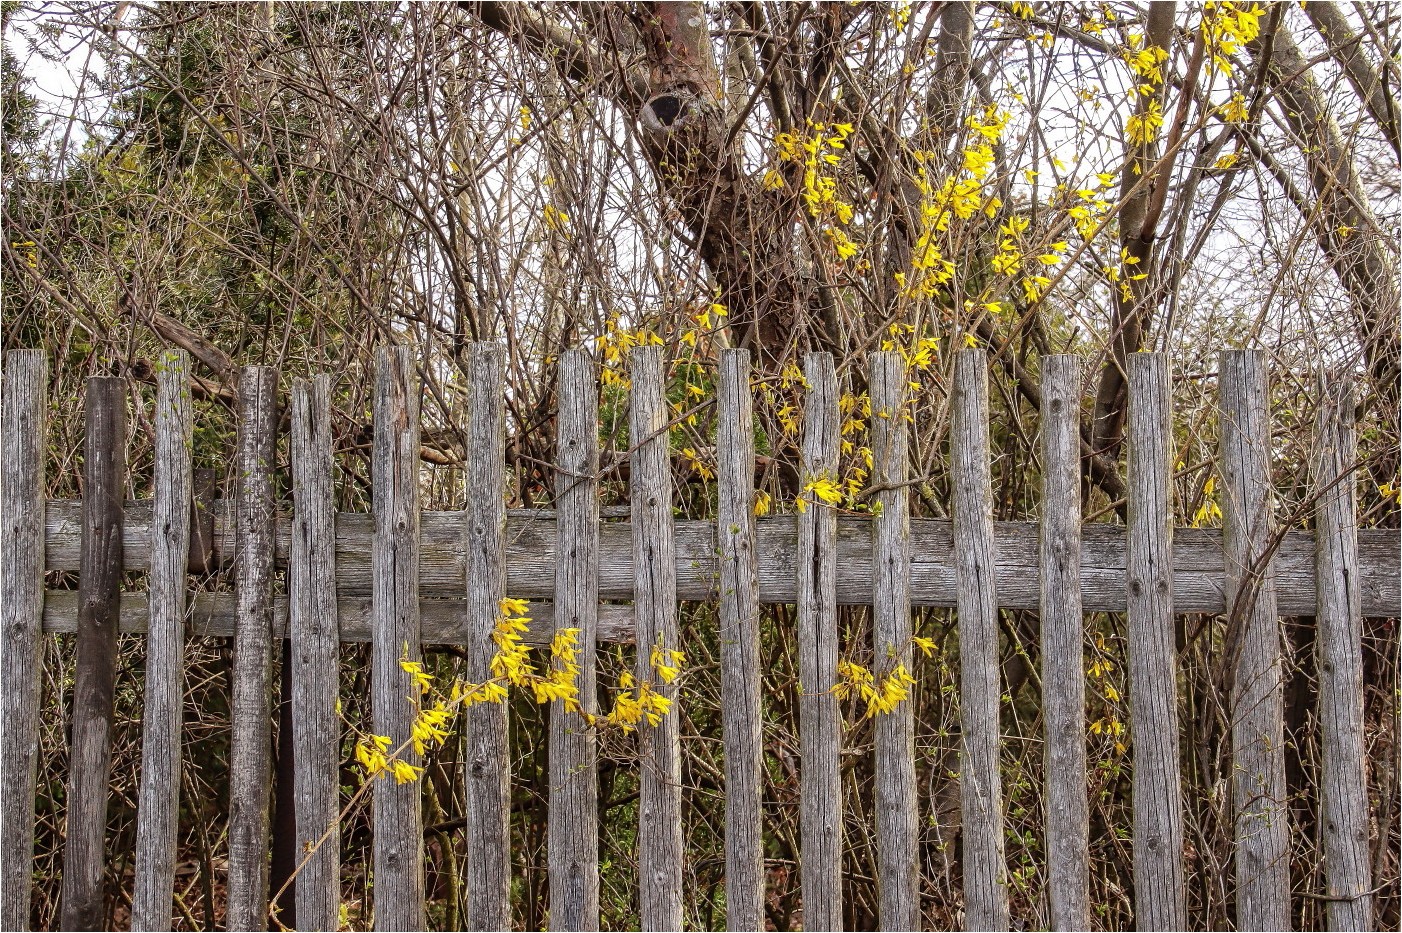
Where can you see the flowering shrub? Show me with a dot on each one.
(512, 666)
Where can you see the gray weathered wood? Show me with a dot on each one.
(158, 807)
(251, 747)
(660, 850)
(573, 826)
(1159, 902)
(487, 760)
(1063, 653)
(315, 658)
(980, 780)
(897, 826)
(1253, 631)
(1209, 569)
(1198, 575)
(1338, 642)
(396, 809)
(741, 723)
(83, 904)
(212, 615)
(819, 719)
(22, 445)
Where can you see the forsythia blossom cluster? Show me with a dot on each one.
(613, 346)
(959, 196)
(512, 667)
(636, 702)
(881, 695)
(816, 149)
(1100, 674)
(1227, 26)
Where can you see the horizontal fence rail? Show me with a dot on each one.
(401, 577)
(1199, 566)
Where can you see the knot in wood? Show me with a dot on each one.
(671, 110)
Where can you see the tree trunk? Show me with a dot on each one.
(1345, 227)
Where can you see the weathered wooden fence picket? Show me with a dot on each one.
(401, 577)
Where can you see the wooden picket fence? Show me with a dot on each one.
(401, 577)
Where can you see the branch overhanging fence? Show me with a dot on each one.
(400, 577)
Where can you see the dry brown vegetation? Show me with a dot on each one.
(295, 184)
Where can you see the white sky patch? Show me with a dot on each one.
(63, 72)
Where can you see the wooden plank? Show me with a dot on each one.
(1257, 707)
(660, 850)
(396, 809)
(980, 779)
(158, 806)
(487, 774)
(23, 434)
(213, 615)
(315, 659)
(1159, 902)
(1063, 647)
(897, 826)
(573, 818)
(83, 904)
(1197, 565)
(1339, 643)
(251, 748)
(741, 723)
(819, 719)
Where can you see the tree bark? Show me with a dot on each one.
(1344, 47)
(1137, 223)
(1345, 227)
(743, 232)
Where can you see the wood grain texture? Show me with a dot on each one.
(741, 723)
(23, 429)
(897, 825)
(660, 851)
(971, 562)
(573, 827)
(1253, 631)
(1197, 569)
(158, 806)
(396, 809)
(487, 763)
(980, 778)
(1339, 644)
(213, 615)
(1063, 647)
(819, 718)
(315, 658)
(1159, 901)
(250, 748)
(83, 903)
